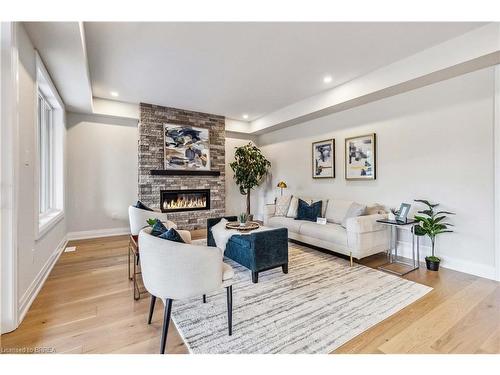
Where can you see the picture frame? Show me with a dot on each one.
(323, 159)
(403, 212)
(360, 157)
(186, 147)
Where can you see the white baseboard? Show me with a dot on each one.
(35, 287)
(477, 269)
(97, 233)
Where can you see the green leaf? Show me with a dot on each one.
(427, 203)
(419, 231)
(444, 213)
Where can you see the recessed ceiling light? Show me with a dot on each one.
(245, 116)
(114, 93)
(327, 79)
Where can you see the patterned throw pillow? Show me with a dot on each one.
(158, 228)
(172, 235)
(142, 206)
(307, 211)
(282, 204)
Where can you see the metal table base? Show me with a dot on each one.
(394, 258)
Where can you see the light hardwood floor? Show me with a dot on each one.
(86, 306)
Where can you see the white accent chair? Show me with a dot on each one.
(138, 220)
(173, 270)
(138, 217)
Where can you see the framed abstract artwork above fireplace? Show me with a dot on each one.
(186, 147)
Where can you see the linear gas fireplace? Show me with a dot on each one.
(184, 200)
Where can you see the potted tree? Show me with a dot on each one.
(432, 224)
(249, 168)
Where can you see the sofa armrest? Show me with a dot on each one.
(365, 224)
(269, 211)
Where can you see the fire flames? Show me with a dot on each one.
(185, 202)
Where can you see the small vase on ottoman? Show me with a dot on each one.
(243, 219)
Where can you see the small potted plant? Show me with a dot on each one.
(432, 224)
(242, 218)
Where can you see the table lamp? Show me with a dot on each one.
(282, 185)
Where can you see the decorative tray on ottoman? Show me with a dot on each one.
(251, 225)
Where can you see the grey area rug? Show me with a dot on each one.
(321, 304)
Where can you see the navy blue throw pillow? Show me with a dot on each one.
(172, 235)
(142, 206)
(158, 228)
(308, 212)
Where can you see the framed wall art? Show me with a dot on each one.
(360, 157)
(323, 159)
(186, 147)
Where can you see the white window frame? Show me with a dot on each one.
(48, 217)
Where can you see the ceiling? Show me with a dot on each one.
(233, 69)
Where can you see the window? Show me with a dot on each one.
(50, 154)
(45, 131)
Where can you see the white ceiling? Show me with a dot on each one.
(236, 68)
(61, 46)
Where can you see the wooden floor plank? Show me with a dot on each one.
(86, 306)
(421, 335)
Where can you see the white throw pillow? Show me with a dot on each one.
(355, 210)
(336, 210)
(282, 205)
(324, 206)
(292, 209)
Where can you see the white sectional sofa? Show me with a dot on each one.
(357, 237)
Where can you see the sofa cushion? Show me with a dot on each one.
(308, 211)
(172, 235)
(286, 222)
(375, 209)
(282, 205)
(324, 206)
(158, 228)
(292, 209)
(294, 205)
(333, 233)
(354, 210)
(336, 210)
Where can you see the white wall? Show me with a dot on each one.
(434, 143)
(35, 257)
(102, 174)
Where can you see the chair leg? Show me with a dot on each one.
(166, 323)
(151, 308)
(255, 277)
(204, 298)
(229, 290)
(284, 267)
(129, 250)
(350, 259)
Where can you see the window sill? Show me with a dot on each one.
(47, 221)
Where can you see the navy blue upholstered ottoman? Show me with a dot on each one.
(258, 251)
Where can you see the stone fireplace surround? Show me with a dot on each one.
(150, 157)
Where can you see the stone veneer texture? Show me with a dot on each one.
(151, 151)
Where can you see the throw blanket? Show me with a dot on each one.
(222, 235)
